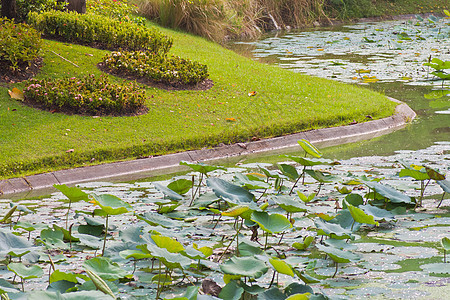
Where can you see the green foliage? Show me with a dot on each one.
(86, 95)
(100, 31)
(20, 44)
(157, 67)
(118, 9)
(24, 7)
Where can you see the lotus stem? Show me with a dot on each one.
(273, 278)
(295, 183)
(335, 272)
(67, 214)
(442, 199)
(106, 233)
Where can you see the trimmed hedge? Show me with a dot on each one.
(87, 95)
(99, 31)
(19, 44)
(166, 69)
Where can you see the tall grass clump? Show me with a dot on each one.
(221, 19)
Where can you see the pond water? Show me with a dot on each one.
(386, 56)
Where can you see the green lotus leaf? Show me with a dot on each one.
(305, 198)
(272, 294)
(360, 216)
(353, 199)
(273, 223)
(201, 167)
(82, 295)
(321, 177)
(416, 174)
(309, 162)
(390, 193)
(378, 214)
(136, 254)
(162, 279)
(244, 266)
(171, 260)
(246, 182)
(155, 219)
(111, 204)
(180, 186)
(168, 243)
(445, 185)
(53, 238)
(303, 245)
(310, 148)
(297, 288)
(305, 296)
(229, 192)
(13, 244)
(281, 267)
(289, 204)
(231, 291)
(167, 192)
(445, 242)
(332, 230)
(236, 211)
(436, 268)
(207, 251)
(338, 255)
(73, 193)
(105, 268)
(248, 248)
(288, 171)
(26, 272)
(58, 275)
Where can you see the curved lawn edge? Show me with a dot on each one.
(140, 168)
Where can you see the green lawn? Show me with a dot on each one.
(33, 141)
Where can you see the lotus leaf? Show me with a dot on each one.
(168, 243)
(281, 267)
(250, 184)
(25, 272)
(339, 256)
(289, 204)
(390, 193)
(360, 216)
(288, 171)
(168, 192)
(244, 266)
(105, 268)
(111, 204)
(74, 194)
(231, 291)
(200, 167)
(180, 186)
(309, 148)
(332, 230)
(229, 192)
(273, 223)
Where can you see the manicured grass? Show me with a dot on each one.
(33, 141)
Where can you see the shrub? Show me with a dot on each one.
(87, 95)
(20, 44)
(156, 67)
(24, 7)
(99, 31)
(118, 9)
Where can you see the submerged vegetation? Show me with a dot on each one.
(239, 234)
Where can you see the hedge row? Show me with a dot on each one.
(99, 31)
(172, 70)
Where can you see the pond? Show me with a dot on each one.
(339, 231)
(386, 56)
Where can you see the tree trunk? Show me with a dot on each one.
(9, 9)
(77, 5)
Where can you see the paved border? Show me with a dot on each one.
(141, 168)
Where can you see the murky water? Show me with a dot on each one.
(388, 57)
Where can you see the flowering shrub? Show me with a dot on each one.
(19, 44)
(116, 9)
(157, 67)
(24, 7)
(99, 31)
(87, 95)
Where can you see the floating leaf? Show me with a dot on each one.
(339, 256)
(105, 268)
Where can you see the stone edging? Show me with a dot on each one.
(331, 136)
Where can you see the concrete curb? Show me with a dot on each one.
(142, 167)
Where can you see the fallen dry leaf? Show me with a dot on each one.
(252, 93)
(16, 94)
(70, 151)
(230, 119)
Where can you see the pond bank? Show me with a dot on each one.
(166, 163)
